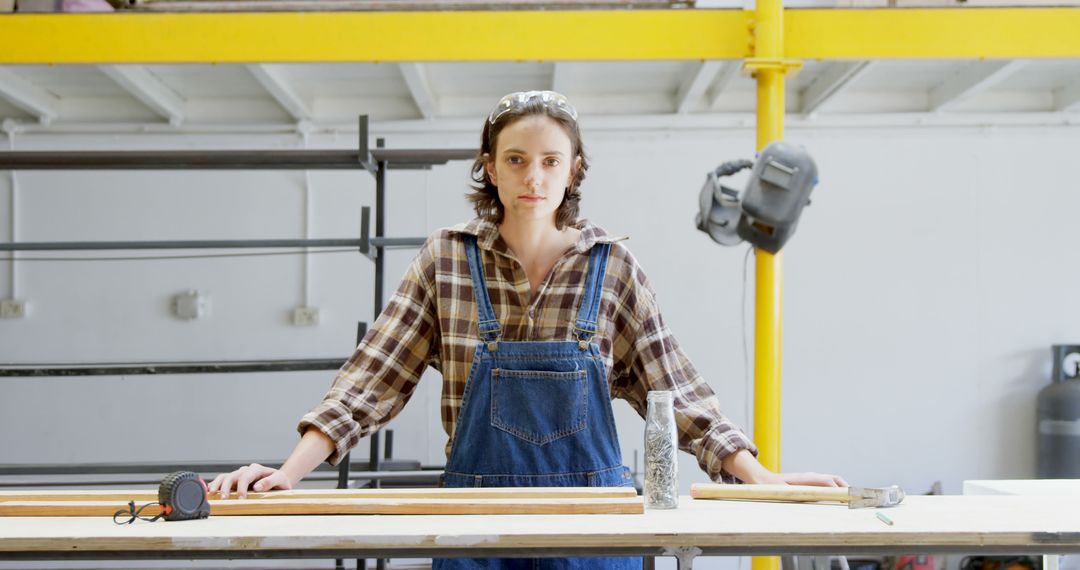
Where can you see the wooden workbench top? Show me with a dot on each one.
(921, 524)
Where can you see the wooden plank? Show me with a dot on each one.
(140, 496)
(255, 507)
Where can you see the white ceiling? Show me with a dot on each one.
(335, 93)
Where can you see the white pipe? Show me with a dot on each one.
(13, 204)
(592, 123)
(154, 128)
(305, 285)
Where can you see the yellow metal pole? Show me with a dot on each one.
(768, 291)
(769, 71)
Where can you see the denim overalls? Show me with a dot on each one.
(537, 414)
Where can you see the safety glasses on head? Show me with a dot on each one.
(550, 99)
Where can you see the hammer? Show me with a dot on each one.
(855, 497)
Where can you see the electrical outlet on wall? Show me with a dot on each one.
(191, 304)
(304, 316)
(12, 309)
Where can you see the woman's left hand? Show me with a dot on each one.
(743, 465)
(814, 479)
(765, 477)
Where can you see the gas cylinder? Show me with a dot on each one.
(1059, 417)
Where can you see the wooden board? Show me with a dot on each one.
(985, 524)
(255, 507)
(145, 496)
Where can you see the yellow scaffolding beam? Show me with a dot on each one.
(961, 33)
(532, 35)
(374, 36)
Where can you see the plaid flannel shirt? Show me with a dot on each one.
(431, 321)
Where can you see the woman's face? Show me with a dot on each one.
(532, 168)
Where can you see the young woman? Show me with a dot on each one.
(536, 320)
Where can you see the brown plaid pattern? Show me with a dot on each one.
(431, 321)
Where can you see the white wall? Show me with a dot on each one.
(922, 292)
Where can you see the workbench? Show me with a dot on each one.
(1028, 487)
(922, 524)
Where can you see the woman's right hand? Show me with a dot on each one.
(259, 477)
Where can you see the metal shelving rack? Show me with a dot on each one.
(377, 161)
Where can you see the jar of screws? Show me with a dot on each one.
(661, 447)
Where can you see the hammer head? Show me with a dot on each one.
(863, 497)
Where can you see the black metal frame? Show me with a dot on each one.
(363, 244)
(396, 159)
(682, 548)
(396, 472)
(134, 368)
(376, 161)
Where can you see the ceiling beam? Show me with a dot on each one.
(273, 79)
(375, 36)
(1067, 98)
(525, 35)
(723, 78)
(826, 86)
(149, 90)
(1018, 32)
(695, 83)
(972, 79)
(29, 97)
(735, 122)
(419, 88)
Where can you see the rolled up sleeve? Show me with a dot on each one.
(652, 359)
(382, 374)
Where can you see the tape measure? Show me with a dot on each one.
(183, 496)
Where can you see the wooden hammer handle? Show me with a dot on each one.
(793, 493)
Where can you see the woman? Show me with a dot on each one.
(536, 320)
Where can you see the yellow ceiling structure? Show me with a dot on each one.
(955, 33)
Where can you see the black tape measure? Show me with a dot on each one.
(183, 497)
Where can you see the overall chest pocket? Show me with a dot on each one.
(539, 406)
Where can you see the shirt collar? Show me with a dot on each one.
(487, 235)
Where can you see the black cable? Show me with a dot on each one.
(134, 513)
(749, 384)
(732, 166)
(168, 257)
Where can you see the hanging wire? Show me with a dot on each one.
(746, 351)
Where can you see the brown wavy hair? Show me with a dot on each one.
(485, 195)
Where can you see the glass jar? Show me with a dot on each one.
(661, 448)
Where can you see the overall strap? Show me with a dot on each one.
(586, 327)
(488, 324)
